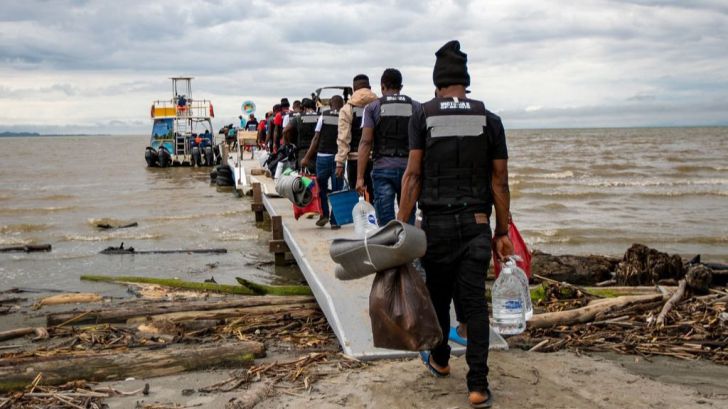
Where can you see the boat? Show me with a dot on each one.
(182, 133)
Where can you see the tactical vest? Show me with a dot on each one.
(457, 172)
(305, 129)
(329, 132)
(391, 136)
(357, 114)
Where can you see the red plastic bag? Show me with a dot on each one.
(315, 206)
(519, 249)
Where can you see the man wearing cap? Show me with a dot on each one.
(385, 130)
(350, 118)
(458, 171)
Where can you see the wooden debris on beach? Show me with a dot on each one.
(157, 338)
(130, 250)
(16, 372)
(674, 324)
(292, 377)
(76, 394)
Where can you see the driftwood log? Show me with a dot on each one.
(670, 303)
(121, 313)
(39, 332)
(29, 248)
(73, 298)
(579, 270)
(97, 366)
(589, 312)
(295, 310)
(642, 265)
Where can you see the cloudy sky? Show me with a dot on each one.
(95, 66)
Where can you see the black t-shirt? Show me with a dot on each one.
(495, 133)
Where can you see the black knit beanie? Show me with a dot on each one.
(285, 103)
(451, 66)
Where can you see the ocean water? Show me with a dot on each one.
(583, 191)
(597, 191)
(56, 189)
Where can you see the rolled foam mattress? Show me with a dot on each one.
(292, 188)
(392, 245)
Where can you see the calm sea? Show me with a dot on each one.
(586, 191)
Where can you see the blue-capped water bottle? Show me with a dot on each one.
(365, 219)
(509, 312)
(511, 264)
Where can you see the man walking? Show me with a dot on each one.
(324, 147)
(300, 131)
(458, 169)
(385, 128)
(350, 119)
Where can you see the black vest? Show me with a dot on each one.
(457, 172)
(357, 114)
(391, 132)
(329, 132)
(305, 129)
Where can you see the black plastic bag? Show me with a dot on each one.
(401, 311)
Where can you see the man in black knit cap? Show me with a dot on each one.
(458, 171)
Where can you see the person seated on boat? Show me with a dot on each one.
(196, 140)
(181, 102)
(206, 138)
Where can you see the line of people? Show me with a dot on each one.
(447, 157)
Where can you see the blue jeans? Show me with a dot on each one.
(387, 186)
(325, 169)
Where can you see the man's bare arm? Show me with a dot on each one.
(365, 147)
(311, 153)
(501, 195)
(502, 203)
(411, 185)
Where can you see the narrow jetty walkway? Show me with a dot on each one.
(345, 303)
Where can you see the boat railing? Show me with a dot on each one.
(192, 109)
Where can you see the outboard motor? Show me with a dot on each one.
(209, 156)
(165, 158)
(196, 156)
(151, 156)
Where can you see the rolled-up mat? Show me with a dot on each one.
(390, 246)
(293, 188)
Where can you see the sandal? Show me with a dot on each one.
(456, 338)
(477, 400)
(425, 356)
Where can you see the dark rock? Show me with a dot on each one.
(580, 270)
(642, 265)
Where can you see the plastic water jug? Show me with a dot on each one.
(364, 216)
(511, 264)
(508, 304)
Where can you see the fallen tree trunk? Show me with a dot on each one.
(173, 283)
(263, 289)
(29, 248)
(679, 294)
(121, 314)
(96, 366)
(296, 309)
(587, 313)
(21, 332)
(73, 298)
